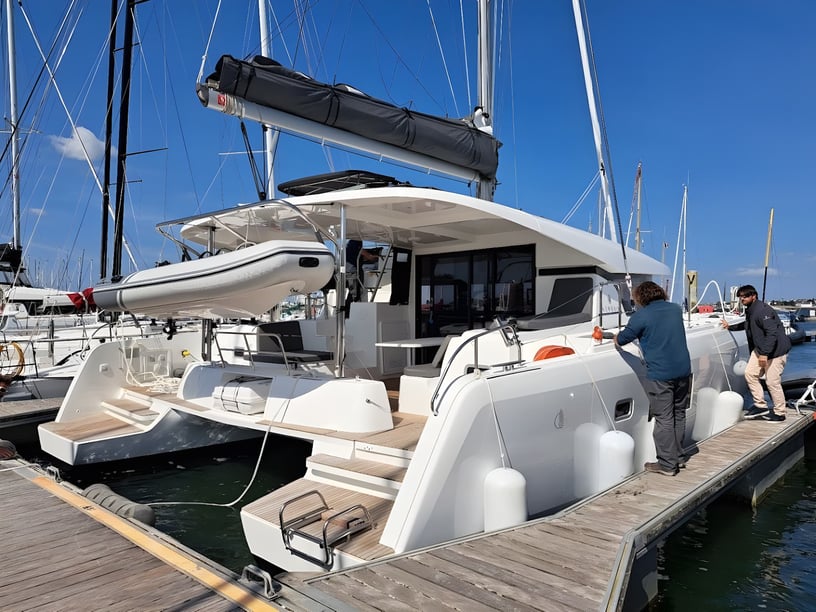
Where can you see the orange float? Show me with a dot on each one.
(552, 350)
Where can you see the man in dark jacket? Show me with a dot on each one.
(769, 346)
(658, 326)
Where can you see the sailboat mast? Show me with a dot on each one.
(270, 134)
(687, 291)
(15, 134)
(680, 239)
(485, 80)
(638, 180)
(593, 114)
(767, 254)
(121, 166)
(103, 247)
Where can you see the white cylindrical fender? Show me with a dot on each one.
(703, 413)
(727, 411)
(505, 499)
(587, 438)
(739, 367)
(616, 452)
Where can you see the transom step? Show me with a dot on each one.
(372, 477)
(131, 409)
(94, 427)
(364, 545)
(334, 526)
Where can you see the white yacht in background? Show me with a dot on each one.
(45, 333)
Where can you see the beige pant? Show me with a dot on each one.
(773, 380)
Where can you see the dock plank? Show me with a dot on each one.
(392, 595)
(498, 579)
(60, 558)
(27, 412)
(437, 584)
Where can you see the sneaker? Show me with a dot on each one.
(754, 412)
(681, 465)
(656, 468)
(776, 418)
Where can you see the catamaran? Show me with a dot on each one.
(524, 406)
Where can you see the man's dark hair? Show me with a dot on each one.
(746, 291)
(647, 292)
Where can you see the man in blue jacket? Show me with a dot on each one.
(658, 326)
(769, 346)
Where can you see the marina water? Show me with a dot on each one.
(728, 557)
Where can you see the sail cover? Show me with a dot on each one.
(265, 82)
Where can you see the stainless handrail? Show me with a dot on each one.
(320, 233)
(510, 337)
(245, 335)
(381, 270)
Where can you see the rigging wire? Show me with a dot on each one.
(504, 452)
(582, 24)
(442, 55)
(62, 27)
(587, 190)
(207, 46)
(256, 174)
(602, 121)
(65, 31)
(400, 59)
(465, 52)
(512, 90)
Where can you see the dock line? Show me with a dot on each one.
(229, 590)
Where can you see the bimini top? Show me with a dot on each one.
(421, 219)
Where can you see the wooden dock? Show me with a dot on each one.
(67, 553)
(62, 552)
(579, 559)
(28, 412)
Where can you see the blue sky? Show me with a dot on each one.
(716, 95)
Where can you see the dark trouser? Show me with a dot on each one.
(668, 402)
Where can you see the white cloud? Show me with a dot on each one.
(73, 147)
(756, 272)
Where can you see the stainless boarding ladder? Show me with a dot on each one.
(293, 527)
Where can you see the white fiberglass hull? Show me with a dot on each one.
(106, 417)
(542, 418)
(172, 433)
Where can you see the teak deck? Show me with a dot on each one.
(579, 559)
(365, 545)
